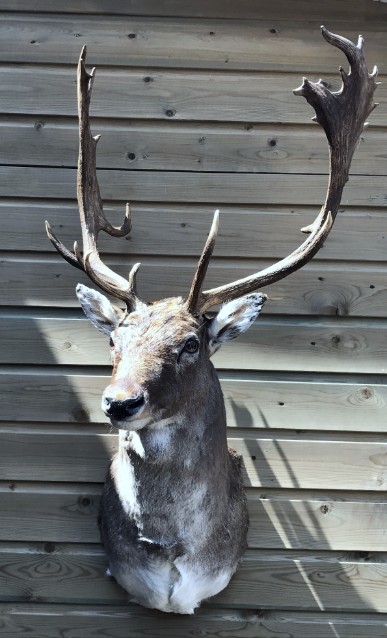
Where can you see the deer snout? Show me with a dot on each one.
(120, 410)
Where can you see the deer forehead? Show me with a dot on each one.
(166, 323)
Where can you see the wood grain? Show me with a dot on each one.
(246, 9)
(288, 463)
(182, 95)
(315, 523)
(179, 43)
(174, 230)
(58, 513)
(252, 401)
(92, 621)
(68, 513)
(194, 147)
(75, 574)
(278, 461)
(353, 289)
(195, 104)
(173, 186)
(272, 344)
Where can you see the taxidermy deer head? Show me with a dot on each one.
(173, 515)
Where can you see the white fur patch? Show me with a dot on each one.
(122, 470)
(98, 309)
(152, 584)
(125, 484)
(176, 587)
(135, 424)
(194, 586)
(234, 318)
(132, 440)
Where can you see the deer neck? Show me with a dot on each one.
(159, 470)
(194, 435)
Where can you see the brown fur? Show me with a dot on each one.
(173, 513)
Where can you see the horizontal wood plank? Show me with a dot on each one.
(210, 101)
(171, 229)
(195, 147)
(272, 344)
(304, 582)
(76, 574)
(246, 9)
(257, 401)
(163, 95)
(56, 621)
(319, 288)
(73, 455)
(286, 463)
(90, 621)
(69, 514)
(316, 523)
(178, 43)
(175, 186)
(59, 514)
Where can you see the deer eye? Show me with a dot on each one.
(111, 343)
(191, 345)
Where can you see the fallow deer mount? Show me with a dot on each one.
(173, 514)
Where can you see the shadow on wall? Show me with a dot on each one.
(54, 452)
(53, 457)
(296, 570)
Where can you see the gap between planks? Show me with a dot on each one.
(252, 493)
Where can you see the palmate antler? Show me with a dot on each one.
(342, 115)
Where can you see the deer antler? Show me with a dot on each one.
(90, 205)
(342, 115)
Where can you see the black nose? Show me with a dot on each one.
(121, 410)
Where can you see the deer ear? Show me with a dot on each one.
(234, 318)
(99, 310)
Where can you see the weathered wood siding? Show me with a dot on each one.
(194, 102)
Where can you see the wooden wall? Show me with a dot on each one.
(194, 102)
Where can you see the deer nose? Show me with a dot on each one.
(121, 410)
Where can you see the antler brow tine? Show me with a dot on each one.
(90, 204)
(342, 115)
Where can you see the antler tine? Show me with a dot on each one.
(342, 115)
(203, 264)
(90, 204)
(270, 275)
(70, 257)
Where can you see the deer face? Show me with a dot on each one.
(160, 354)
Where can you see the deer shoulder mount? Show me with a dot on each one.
(173, 514)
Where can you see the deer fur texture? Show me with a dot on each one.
(173, 515)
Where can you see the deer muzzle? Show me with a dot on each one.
(122, 410)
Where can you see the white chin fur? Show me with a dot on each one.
(135, 425)
(131, 424)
